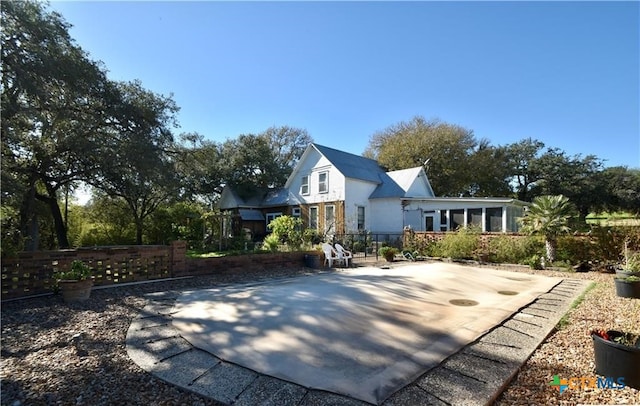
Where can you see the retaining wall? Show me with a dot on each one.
(31, 273)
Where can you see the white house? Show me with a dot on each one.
(337, 192)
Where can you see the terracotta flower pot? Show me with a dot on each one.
(75, 291)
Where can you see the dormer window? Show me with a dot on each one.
(304, 187)
(323, 182)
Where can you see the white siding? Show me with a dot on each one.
(313, 165)
(357, 194)
(386, 216)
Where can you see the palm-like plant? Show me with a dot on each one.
(548, 216)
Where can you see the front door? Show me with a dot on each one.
(428, 222)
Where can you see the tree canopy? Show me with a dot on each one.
(443, 149)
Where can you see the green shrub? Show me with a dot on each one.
(459, 245)
(271, 242)
(311, 237)
(79, 271)
(534, 261)
(632, 262)
(573, 249)
(514, 250)
(609, 242)
(419, 247)
(388, 252)
(287, 229)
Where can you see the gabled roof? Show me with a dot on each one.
(415, 178)
(351, 165)
(361, 168)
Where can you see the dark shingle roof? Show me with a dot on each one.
(352, 166)
(359, 167)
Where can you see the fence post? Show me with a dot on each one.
(178, 258)
(377, 245)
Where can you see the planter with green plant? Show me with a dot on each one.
(75, 283)
(617, 356)
(628, 286)
(389, 253)
(631, 266)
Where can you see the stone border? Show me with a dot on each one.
(475, 375)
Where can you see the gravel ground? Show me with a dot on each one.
(60, 354)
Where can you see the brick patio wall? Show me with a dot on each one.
(31, 273)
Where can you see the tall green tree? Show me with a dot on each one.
(492, 174)
(443, 149)
(136, 164)
(249, 163)
(287, 144)
(53, 102)
(577, 178)
(522, 162)
(622, 187)
(548, 216)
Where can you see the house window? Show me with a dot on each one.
(323, 182)
(428, 223)
(295, 212)
(304, 187)
(494, 219)
(272, 216)
(360, 218)
(457, 219)
(474, 217)
(313, 218)
(329, 219)
(443, 220)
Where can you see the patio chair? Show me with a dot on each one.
(408, 255)
(330, 254)
(343, 254)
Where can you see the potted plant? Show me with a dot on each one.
(631, 266)
(75, 284)
(628, 286)
(389, 253)
(617, 355)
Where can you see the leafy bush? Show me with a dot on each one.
(388, 252)
(573, 249)
(287, 229)
(311, 237)
(419, 247)
(79, 271)
(534, 261)
(271, 242)
(632, 262)
(609, 242)
(459, 245)
(511, 250)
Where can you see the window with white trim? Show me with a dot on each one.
(295, 212)
(329, 219)
(313, 218)
(323, 182)
(304, 187)
(361, 218)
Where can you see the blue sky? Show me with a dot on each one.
(566, 73)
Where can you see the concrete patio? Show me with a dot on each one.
(413, 334)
